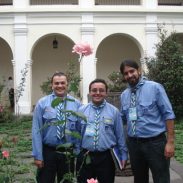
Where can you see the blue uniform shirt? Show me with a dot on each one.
(153, 109)
(45, 113)
(110, 129)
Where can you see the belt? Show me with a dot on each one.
(148, 139)
(96, 152)
(49, 147)
(55, 148)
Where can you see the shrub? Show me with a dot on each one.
(167, 68)
(72, 77)
(5, 114)
(116, 82)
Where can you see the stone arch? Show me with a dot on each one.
(6, 69)
(46, 60)
(113, 49)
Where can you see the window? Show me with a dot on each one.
(53, 2)
(6, 2)
(170, 2)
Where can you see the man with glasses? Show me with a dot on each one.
(102, 131)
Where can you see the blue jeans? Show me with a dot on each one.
(148, 154)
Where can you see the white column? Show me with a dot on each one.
(29, 85)
(143, 63)
(86, 3)
(151, 27)
(20, 3)
(88, 69)
(151, 32)
(150, 4)
(22, 105)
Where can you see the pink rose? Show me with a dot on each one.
(83, 49)
(92, 180)
(5, 154)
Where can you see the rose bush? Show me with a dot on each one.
(7, 175)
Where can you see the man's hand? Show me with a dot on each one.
(39, 163)
(169, 150)
(170, 147)
(123, 163)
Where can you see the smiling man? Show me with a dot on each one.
(103, 131)
(49, 162)
(150, 125)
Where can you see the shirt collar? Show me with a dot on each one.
(55, 96)
(100, 106)
(139, 84)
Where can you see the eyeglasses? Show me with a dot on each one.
(57, 83)
(98, 90)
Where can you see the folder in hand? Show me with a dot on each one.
(116, 158)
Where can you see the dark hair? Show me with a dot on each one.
(98, 81)
(57, 73)
(129, 63)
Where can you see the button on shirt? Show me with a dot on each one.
(44, 113)
(110, 129)
(153, 109)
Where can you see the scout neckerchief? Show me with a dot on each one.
(133, 105)
(98, 110)
(60, 117)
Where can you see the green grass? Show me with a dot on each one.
(179, 142)
(20, 159)
(16, 138)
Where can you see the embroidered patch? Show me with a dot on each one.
(108, 120)
(49, 109)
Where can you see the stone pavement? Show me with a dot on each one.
(176, 174)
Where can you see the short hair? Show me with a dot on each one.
(129, 63)
(98, 81)
(57, 73)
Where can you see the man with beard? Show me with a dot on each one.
(148, 114)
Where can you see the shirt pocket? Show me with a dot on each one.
(50, 115)
(108, 125)
(71, 122)
(125, 112)
(147, 108)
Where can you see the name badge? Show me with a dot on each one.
(133, 113)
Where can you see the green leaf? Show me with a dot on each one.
(69, 99)
(57, 101)
(75, 135)
(77, 114)
(88, 159)
(66, 148)
(46, 125)
(66, 145)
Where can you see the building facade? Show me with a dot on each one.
(116, 29)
